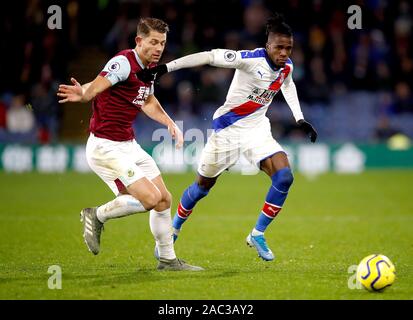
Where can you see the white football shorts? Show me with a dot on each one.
(224, 148)
(119, 163)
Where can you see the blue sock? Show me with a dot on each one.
(281, 182)
(191, 196)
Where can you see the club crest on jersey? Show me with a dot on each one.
(229, 56)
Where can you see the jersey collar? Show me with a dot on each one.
(270, 63)
(138, 60)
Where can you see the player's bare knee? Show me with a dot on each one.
(167, 199)
(206, 183)
(151, 200)
(149, 203)
(165, 202)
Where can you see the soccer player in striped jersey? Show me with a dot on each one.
(241, 127)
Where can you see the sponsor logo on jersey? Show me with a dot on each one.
(143, 94)
(262, 96)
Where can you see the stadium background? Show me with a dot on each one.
(355, 86)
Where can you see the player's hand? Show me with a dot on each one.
(308, 129)
(176, 134)
(148, 75)
(69, 93)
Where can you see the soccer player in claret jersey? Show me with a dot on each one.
(113, 153)
(241, 127)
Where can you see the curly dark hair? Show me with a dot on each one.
(277, 24)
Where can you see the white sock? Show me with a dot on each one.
(176, 231)
(161, 227)
(121, 206)
(255, 232)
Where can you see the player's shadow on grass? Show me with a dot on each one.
(144, 276)
(117, 278)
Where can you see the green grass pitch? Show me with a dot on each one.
(328, 224)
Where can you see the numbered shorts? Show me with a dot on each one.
(119, 163)
(223, 150)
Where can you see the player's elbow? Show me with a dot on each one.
(208, 57)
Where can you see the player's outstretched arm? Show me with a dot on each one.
(153, 109)
(189, 61)
(214, 57)
(82, 93)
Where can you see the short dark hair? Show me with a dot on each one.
(277, 24)
(146, 25)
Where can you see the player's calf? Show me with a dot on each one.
(121, 206)
(94, 218)
(276, 196)
(190, 197)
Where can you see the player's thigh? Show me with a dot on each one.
(146, 192)
(274, 163)
(145, 162)
(100, 162)
(111, 161)
(266, 153)
(219, 154)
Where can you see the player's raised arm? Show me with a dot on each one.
(153, 109)
(116, 70)
(82, 93)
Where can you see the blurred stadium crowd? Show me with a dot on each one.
(354, 85)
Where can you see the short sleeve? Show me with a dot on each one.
(116, 70)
